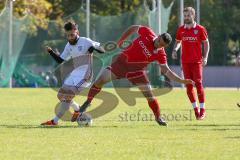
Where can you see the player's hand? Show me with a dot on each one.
(187, 81)
(174, 54)
(204, 62)
(49, 49)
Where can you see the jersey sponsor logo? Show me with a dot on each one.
(146, 51)
(189, 39)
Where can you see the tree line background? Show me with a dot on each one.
(220, 17)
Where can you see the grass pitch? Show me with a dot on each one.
(125, 133)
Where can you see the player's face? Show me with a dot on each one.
(159, 42)
(188, 17)
(72, 36)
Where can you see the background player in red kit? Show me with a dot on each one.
(132, 62)
(191, 36)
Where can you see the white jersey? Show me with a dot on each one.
(82, 73)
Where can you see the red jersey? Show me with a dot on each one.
(142, 51)
(191, 40)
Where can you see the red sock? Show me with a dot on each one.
(200, 91)
(93, 92)
(155, 108)
(191, 93)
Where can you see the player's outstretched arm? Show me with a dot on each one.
(55, 56)
(132, 29)
(173, 76)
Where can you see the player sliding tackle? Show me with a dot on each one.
(132, 62)
(80, 78)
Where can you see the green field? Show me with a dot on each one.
(112, 137)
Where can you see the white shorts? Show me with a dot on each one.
(80, 78)
(79, 87)
(77, 81)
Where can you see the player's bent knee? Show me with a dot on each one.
(60, 96)
(150, 99)
(189, 88)
(189, 85)
(104, 78)
(67, 99)
(148, 94)
(100, 82)
(198, 84)
(66, 96)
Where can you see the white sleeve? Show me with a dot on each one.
(65, 54)
(92, 43)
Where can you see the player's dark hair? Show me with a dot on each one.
(70, 25)
(167, 38)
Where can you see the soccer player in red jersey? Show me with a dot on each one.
(191, 36)
(132, 62)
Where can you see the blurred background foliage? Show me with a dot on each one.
(220, 17)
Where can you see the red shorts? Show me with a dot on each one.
(193, 71)
(132, 71)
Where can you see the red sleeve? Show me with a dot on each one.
(146, 31)
(162, 57)
(179, 35)
(204, 35)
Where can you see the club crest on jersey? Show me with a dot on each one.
(155, 51)
(195, 31)
(80, 48)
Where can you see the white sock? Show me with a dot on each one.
(75, 106)
(64, 106)
(202, 105)
(194, 104)
(55, 119)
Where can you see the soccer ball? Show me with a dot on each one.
(84, 120)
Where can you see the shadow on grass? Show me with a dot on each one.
(208, 129)
(35, 126)
(235, 137)
(63, 126)
(210, 109)
(213, 125)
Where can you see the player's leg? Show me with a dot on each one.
(75, 106)
(65, 96)
(152, 102)
(188, 74)
(83, 84)
(76, 111)
(105, 77)
(197, 78)
(141, 80)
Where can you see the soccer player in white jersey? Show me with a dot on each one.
(77, 48)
